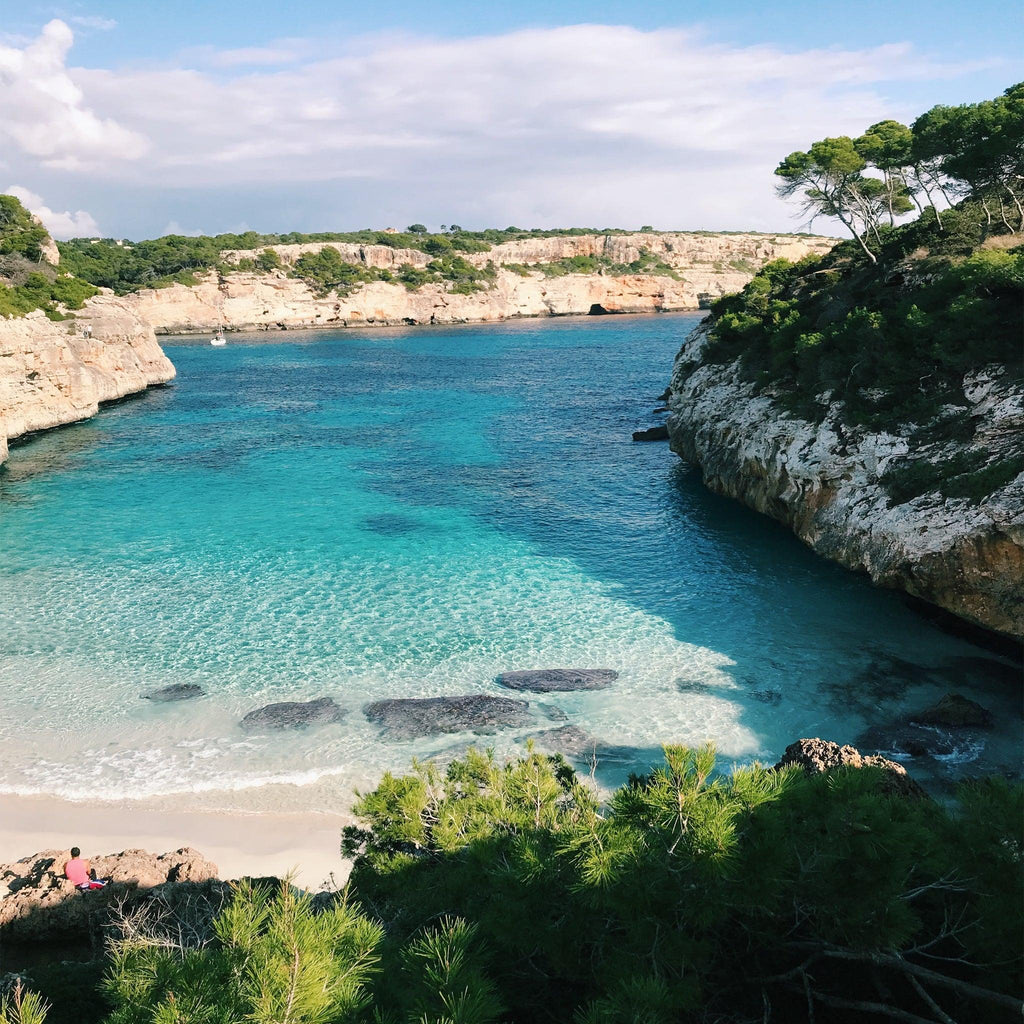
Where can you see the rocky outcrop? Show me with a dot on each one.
(817, 756)
(38, 903)
(824, 480)
(52, 373)
(705, 267)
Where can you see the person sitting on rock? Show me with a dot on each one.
(78, 871)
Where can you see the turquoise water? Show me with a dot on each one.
(409, 513)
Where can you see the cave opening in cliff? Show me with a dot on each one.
(598, 310)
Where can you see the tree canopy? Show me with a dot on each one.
(974, 150)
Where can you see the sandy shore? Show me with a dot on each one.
(271, 843)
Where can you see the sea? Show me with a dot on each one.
(364, 514)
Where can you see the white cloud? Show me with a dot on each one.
(66, 224)
(44, 113)
(94, 21)
(588, 123)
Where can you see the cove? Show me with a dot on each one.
(408, 513)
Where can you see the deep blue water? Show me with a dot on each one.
(390, 513)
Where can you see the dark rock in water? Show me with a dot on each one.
(661, 408)
(177, 691)
(550, 680)
(907, 739)
(955, 712)
(665, 395)
(410, 718)
(658, 433)
(816, 756)
(772, 697)
(693, 686)
(552, 713)
(570, 740)
(292, 714)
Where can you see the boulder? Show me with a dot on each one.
(955, 712)
(408, 718)
(176, 691)
(658, 433)
(292, 714)
(816, 756)
(37, 903)
(550, 680)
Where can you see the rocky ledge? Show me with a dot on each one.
(52, 373)
(824, 481)
(38, 903)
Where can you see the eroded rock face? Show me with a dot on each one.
(823, 481)
(409, 718)
(551, 680)
(816, 756)
(37, 902)
(294, 714)
(57, 373)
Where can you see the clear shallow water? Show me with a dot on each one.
(409, 513)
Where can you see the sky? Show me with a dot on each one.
(133, 120)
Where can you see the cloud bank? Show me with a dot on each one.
(66, 224)
(591, 124)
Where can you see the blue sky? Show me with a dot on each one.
(137, 118)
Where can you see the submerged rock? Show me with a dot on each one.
(294, 714)
(816, 756)
(176, 691)
(905, 739)
(658, 433)
(569, 740)
(409, 718)
(955, 712)
(550, 680)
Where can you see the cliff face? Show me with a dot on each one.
(707, 266)
(823, 481)
(52, 373)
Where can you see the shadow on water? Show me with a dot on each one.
(567, 479)
(525, 429)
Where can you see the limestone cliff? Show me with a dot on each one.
(824, 481)
(52, 373)
(704, 266)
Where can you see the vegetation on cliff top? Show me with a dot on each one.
(890, 322)
(27, 281)
(129, 266)
(492, 891)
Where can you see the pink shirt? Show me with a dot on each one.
(77, 871)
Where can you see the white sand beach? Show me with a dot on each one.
(304, 845)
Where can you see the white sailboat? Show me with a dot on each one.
(218, 339)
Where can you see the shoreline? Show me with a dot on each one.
(404, 324)
(259, 844)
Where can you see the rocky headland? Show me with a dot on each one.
(826, 481)
(693, 269)
(58, 372)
